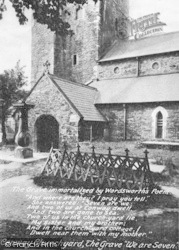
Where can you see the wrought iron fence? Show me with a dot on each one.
(108, 170)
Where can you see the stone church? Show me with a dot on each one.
(102, 85)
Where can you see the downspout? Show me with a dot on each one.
(91, 133)
(100, 21)
(125, 122)
(138, 66)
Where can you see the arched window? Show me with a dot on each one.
(159, 125)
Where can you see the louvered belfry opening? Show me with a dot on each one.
(159, 129)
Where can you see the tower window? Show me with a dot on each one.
(155, 65)
(159, 128)
(74, 59)
(60, 12)
(116, 24)
(77, 16)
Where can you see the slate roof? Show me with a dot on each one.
(163, 43)
(81, 97)
(158, 88)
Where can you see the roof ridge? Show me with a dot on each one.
(132, 48)
(158, 34)
(150, 37)
(71, 82)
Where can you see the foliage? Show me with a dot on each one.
(45, 12)
(171, 169)
(11, 90)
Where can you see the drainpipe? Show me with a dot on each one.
(138, 66)
(91, 133)
(125, 122)
(2, 124)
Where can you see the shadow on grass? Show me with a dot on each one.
(10, 229)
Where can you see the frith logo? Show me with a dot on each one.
(146, 26)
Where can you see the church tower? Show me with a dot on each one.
(96, 27)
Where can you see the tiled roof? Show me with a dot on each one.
(163, 43)
(158, 88)
(82, 98)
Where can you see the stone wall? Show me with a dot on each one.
(140, 124)
(95, 32)
(173, 121)
(159, 64)
(143, 66)
(48, 100)
(113, 15)
(115, 117)
(83, 44)
(42, 50)
(119, 69)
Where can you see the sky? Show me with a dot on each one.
(169, 11)
(15, 39)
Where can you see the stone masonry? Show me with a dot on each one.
(94, 28)
(148, 65)
(42, 50)
(139, 121)
(75, 57)
(48, 100)
(118, 69)
(159, 64)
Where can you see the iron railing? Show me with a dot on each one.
(107, 170)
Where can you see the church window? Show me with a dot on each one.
(60, 12)
(74, 59)
(159, 123)
(116, 70)
(76, 14)
(155, 65)
(116, 24)
(159, 128)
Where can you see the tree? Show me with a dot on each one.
(44, 12)
(11, 89)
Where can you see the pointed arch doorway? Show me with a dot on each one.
(47, 132)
